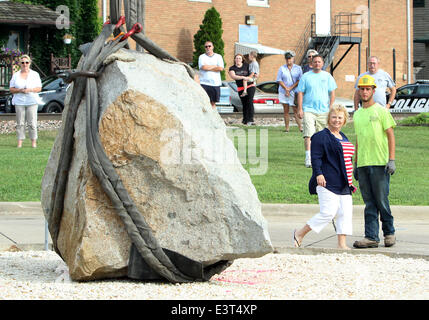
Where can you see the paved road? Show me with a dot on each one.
(23, 225)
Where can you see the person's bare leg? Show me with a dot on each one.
(34, 143)
(307, 143)
(244, 93)
(300, 234)
(286, 116)
(19, 144)
(297, 119)
(342, 242)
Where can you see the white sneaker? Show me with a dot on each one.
(308, 163)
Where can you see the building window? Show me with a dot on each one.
(201, 0)
(258, 3)
(419, 3)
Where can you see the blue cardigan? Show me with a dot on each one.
(327, 158)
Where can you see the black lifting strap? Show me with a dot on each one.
(146, 253)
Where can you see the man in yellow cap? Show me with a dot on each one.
(374, 163)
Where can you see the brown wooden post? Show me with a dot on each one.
(52, 63)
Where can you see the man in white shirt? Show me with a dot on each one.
(210, 65)
(383, 81)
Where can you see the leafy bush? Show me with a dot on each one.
(418, 120)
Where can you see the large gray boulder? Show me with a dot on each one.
(173, 155)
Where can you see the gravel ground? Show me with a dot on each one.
(9, 126)
(42, 275)
(39, 275)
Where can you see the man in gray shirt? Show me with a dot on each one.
(383, 81)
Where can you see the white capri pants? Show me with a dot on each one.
(332, 205)
(26, 114)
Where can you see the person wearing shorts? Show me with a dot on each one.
(316, 95)
(211, 64)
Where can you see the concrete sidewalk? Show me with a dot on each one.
(22, 224)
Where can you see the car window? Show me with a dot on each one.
(53, 85)
(47, 80)
(406, 91)
(423, 90)
(271, 87)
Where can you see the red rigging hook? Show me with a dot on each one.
(120, 22)
(137, 27)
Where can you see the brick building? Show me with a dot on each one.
(286, 25)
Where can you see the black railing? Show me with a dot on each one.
(348, 25)
(304, 43)
(328, 48)
(344, 25)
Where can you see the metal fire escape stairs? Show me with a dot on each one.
(346, 30)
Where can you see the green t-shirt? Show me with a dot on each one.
(370, 127)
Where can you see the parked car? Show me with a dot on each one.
(52, 97)
(224, 105)
(6, 102)
(412, 98)
(263, 102)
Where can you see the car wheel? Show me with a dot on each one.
(53, 107)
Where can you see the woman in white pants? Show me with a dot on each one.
(331, 159)
(25, 84)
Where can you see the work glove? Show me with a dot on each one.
(390, 167)
(355, 172)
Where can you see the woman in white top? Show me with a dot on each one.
(25, 85)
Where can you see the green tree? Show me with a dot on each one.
(210, 30)
(84, 27)
(89, 26)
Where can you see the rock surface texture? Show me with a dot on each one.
(177, 163)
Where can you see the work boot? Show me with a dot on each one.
(389, 240)
(365, 243)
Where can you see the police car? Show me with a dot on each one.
(412, 98)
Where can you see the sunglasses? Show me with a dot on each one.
(25, 62)
(207, 46)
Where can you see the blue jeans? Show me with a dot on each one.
(374, 187)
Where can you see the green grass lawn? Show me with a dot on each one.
(285, 180)
(21, 170)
